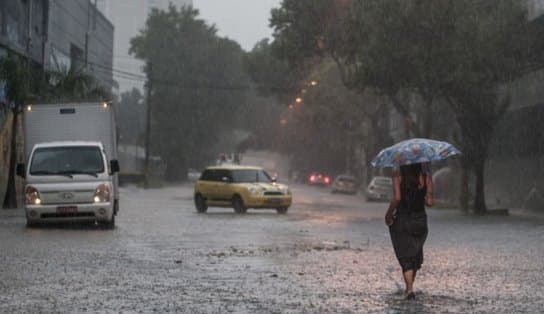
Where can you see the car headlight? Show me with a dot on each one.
(102, 194)
(285, 190)
(253, 190)
(32, 196)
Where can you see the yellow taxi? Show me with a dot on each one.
(240, 187)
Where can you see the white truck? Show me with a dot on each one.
(71, 163)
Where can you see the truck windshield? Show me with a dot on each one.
(67, 160)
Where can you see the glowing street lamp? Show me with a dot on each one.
(298, 100)
(313, 83)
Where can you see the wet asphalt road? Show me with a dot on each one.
(329, 254)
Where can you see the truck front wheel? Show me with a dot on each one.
(111, 223)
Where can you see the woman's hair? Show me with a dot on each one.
(410, 174)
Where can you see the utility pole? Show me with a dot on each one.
(148, 123)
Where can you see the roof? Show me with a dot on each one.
(68, 143)
(235, 167)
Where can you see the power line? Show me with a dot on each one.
(141, 78)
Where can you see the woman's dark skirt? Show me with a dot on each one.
(408, 234)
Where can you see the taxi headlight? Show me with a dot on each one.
(32, 196)
(102, 194)
(253, 190)
(285, 190)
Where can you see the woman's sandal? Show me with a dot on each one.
(410, 296)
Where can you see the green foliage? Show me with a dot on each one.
(272, 75)
(463, 51)
(17, 76)
(307, 32)
(72, 85)
(131, 117)
(198, 86)
(27, 83)
(322, 131)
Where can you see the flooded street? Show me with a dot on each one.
(328, 254)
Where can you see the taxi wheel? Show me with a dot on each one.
(238, 205)
(200, 204)
(282, 210)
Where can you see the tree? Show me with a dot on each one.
(400, 47)
(198, 86)
(132, 113)
(306, 30)
(278, 84)
(272, 76)
(463, 51)
(488, 51)
(17, 76)
(71, 84)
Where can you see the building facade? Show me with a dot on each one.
(59, 35)
(129, 17)
(80, 36)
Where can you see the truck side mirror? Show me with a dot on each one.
(114, 166)
(21, 170)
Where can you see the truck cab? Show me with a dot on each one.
(69, 180)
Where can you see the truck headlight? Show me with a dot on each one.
(102, 193)
(32, 196)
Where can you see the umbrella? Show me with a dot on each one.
(412, 151)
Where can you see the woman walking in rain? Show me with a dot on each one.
(412, 190)
(407, 220)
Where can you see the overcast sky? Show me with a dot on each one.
(245, 21)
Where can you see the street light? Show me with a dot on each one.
(298, 100)
(313, 83)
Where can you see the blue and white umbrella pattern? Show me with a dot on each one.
(412, 151)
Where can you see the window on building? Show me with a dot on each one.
(77, 57)
(15, 21)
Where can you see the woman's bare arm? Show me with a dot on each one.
(429, 200)
(395, 201)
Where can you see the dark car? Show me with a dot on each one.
(379, 189)
(318, 178)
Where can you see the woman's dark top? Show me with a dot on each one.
(409, 231)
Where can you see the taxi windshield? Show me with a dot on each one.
(250, 175)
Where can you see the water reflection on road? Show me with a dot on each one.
(329, 254)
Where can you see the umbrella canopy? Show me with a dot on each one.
(412, 151)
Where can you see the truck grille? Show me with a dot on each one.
(67, 197)
(67, 215)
